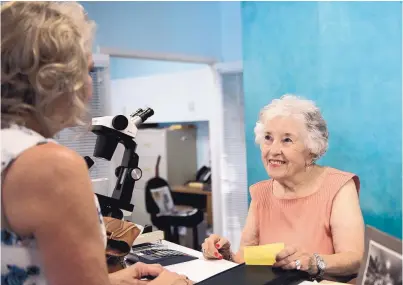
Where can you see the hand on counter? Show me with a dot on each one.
(134, 275)
(170, 278)
(294, 257)
(216, 247)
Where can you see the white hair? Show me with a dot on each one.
(302, 109)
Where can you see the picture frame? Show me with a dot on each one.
(382, 259)
(163, 198)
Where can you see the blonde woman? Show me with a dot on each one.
(51, 231)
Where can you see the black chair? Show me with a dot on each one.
(171, 220)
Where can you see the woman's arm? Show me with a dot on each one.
(250, 233)
(347, 227)
(217, 247)
(47, 192)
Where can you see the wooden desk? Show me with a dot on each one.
(197, 191)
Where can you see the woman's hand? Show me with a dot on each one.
(295, 258)
(216, 247)
(134, 274)
(170, 278)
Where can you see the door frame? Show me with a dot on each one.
(216, 129)
(220, 69)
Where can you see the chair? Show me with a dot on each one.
(175, 216)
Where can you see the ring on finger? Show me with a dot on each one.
(298, 264)
(186, 279)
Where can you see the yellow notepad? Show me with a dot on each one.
(262, 254)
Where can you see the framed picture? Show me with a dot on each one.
(162, 197)
(382, 263)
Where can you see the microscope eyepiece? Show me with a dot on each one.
(139, 111)
(140, 116)
(147, 113)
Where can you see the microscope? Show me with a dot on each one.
(110, 131)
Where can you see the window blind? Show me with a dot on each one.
(234, 171)
(81, 139)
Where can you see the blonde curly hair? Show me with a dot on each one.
(45, 48)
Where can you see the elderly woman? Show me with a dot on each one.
(314, 210)
(51, 231)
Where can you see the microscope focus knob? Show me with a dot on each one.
(136, 174)
(120, 122)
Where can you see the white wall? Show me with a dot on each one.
(175, 97)
(186, 97)
(178, 97)
(195, 95)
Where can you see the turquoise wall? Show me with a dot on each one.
(346, 56)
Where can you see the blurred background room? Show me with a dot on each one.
(207, 68)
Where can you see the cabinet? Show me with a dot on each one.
(178, 162)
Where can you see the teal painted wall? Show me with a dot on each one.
(346, 56)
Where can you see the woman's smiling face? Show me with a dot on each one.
(284, 152)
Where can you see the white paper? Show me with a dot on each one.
(201, 269)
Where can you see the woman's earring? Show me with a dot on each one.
(308, 165)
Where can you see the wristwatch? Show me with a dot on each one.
(320, 263)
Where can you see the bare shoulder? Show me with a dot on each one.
(346, 220)
(348, 193)
(51, 153)
(346, 206)
(41, 179)
(46, 164)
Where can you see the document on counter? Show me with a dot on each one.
(201, 269)
(262, 254)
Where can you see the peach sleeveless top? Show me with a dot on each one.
(303, 222)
